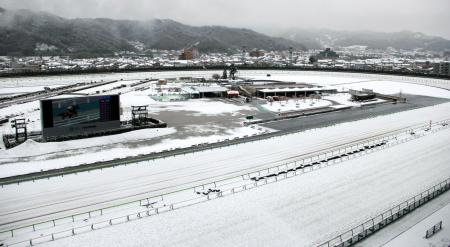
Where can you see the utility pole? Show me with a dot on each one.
(291, 51)
(243, 53)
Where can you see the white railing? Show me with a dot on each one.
(103, 217)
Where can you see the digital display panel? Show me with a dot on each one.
(79, 114)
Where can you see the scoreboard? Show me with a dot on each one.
(78, 115)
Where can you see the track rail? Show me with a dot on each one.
(91, 220)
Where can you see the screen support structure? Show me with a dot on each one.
(20, 126)
(139, 115)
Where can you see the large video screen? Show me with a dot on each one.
(80, 110)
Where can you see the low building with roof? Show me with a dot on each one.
(294, 91)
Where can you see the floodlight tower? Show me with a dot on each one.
(243, 53)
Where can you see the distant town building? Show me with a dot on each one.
(442, 68)
(24, 68)
(256, 53)
(327, 54)
(189, 54)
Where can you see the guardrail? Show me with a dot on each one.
(143, 157)
(369, 227)
(253, 178)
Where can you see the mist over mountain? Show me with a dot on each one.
(406, 40)
(24, 32)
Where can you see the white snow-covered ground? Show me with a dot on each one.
(30, 111)
(23, 89)
(32, 148)
(305, 78)
(199, 107)
(344, 99)
(407, 222)
(299, 211)
(295, 105)
(303, 211)
(72, 79)
(107, 87)
(333, 78)
(122, 184)
(379, 83)
(415, 236)
(92, 151)
(99, 148)
(315, 77)
(390, 87)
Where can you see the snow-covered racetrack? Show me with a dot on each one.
(49, 199)
(301, 211)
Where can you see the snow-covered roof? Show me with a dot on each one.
(203, 89)
(295, 89)
(189, 90)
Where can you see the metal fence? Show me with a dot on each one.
(157, 204)
(362, 231)
(430, 232)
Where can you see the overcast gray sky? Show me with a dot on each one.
(427, 16)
